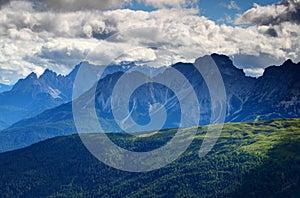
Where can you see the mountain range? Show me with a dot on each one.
(276, 94)
(33, 95)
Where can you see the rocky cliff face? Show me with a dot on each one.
(276, 94)
(33, 95)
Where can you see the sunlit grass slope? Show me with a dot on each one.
(260, 159)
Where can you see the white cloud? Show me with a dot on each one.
(286, 11)
(71, 5)
(170, 3)
(65, 51)
(232, 5)
(138, 54)
(79, 5)
(254, 71)
(75, 5)
(33, 40)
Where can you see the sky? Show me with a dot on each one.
(58, 34)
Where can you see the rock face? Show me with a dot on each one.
(276, 94)
(33, 95)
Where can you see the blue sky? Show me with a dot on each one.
(216, 10)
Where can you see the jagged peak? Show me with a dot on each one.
(287, 67)
(82, 64)
(32, 75)
(220, 56)
(48, 72)
(288, 62)
(180, 63)
(216, 57)
(223, 62)
(28, 79)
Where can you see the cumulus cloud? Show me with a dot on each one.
(73, 5)
(33, 40)
(50, 24)
(254, 71)
(3, 2)
(169, 3)
(286, 11)
(79, 5)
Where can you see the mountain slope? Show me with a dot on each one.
(274, 95)
(32, 95)
(250, 159)
(4, 87)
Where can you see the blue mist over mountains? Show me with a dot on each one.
(37, 108)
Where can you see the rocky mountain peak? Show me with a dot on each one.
(32, 75)
(48, 74)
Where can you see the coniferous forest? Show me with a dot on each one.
(259, 159)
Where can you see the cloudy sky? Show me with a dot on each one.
(58, 34)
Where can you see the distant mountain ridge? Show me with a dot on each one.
(4, 87)
(33, 95)
(276, 94)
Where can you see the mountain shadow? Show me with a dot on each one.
(277, 176)
(259, 159)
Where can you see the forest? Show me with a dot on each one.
(259, 159)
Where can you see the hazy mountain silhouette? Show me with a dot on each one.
(276, 94)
